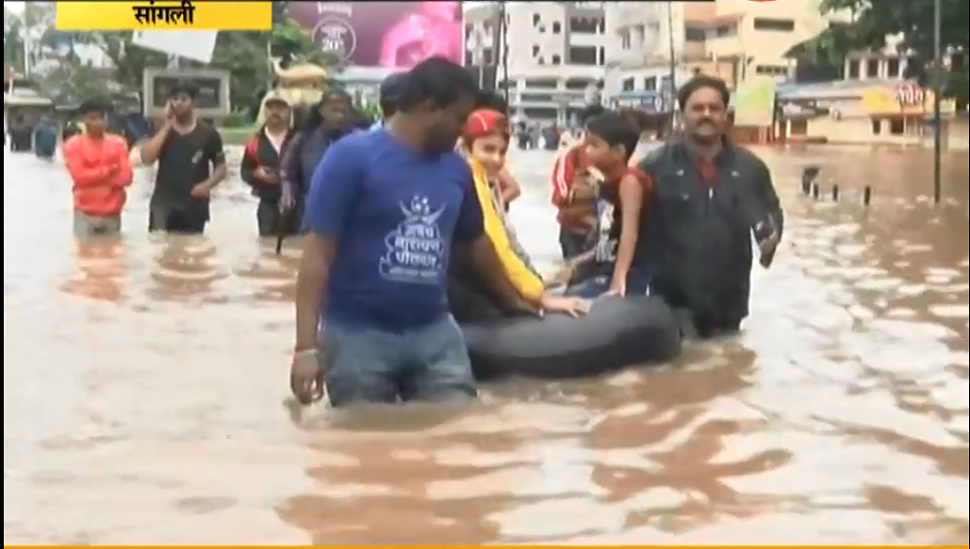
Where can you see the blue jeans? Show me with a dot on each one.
(636, 284)
(429, 363)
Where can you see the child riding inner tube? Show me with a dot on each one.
(567, 341)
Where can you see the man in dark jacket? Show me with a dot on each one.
(709, 195)
(261, 168)
(325, 123)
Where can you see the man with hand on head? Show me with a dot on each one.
(708, 196)
(191, 162)
(385, 212)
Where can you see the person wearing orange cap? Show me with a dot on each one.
(485, 140)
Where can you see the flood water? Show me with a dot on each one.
(145, 380)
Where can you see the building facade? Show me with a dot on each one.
(873, 103)
(642, 38)
(747, 38)
(556, 53)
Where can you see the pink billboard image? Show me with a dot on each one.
(396, 35)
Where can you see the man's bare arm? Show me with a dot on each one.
(480, 255)
(311, 280)
(152, 147)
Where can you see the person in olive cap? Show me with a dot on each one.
(390, 91)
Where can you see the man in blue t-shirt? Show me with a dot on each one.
(384, 212)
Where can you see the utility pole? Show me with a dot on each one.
(502, 50)
(937, 100)
(673, 67)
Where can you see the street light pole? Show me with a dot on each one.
(937, 100)
(502, 50)
(673, 67)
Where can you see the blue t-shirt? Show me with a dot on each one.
(394, 213)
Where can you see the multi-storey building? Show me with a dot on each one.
(644, 40)
(556, 52)
(753, 36)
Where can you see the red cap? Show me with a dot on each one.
(486, 122)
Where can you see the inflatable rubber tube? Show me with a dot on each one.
(617, 333)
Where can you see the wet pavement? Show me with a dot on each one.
(145, 380)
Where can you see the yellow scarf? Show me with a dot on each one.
(527, 282)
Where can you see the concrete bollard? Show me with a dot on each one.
(809, 175)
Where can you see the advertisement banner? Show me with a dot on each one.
(906, 99)
(754, 102)
(394, 35)
(80, 15)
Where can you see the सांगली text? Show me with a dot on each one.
(149, 14)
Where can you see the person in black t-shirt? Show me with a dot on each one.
(191, 162)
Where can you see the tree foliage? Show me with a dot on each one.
(876, 20)
(244, 54)
(13, 44)
(15, 25)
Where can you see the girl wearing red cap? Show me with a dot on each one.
(485, 141)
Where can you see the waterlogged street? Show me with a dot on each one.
(145, 379)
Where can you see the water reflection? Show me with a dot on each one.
(101, 271)
(274, 273)
(840, 415)
(186, 267)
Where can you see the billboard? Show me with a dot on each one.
(148, 14)
(212, 86)
(393, 35)
(754, 102)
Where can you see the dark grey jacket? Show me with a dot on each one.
(695, 237)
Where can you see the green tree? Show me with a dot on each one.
(913, 20)
(15, 24)
(72, 83)
(13, 44)
(244, 54)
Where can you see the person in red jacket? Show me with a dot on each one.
(574, 193)
(261, 167)
(98, 164)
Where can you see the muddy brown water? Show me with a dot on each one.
(145, 379)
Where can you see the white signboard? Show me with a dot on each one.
(197, 45)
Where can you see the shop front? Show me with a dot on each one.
(904, 113)
(859, 112)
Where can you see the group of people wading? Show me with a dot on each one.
(407, 235)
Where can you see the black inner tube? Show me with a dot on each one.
(618, 332)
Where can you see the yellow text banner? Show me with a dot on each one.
(107, 16)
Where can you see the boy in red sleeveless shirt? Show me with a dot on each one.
(610, 141)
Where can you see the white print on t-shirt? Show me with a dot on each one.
(415, 249)
(605, 247)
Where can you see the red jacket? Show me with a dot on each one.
(100, 170)
(260, 151)
(573, 191)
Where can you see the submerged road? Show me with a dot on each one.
(145, 380)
